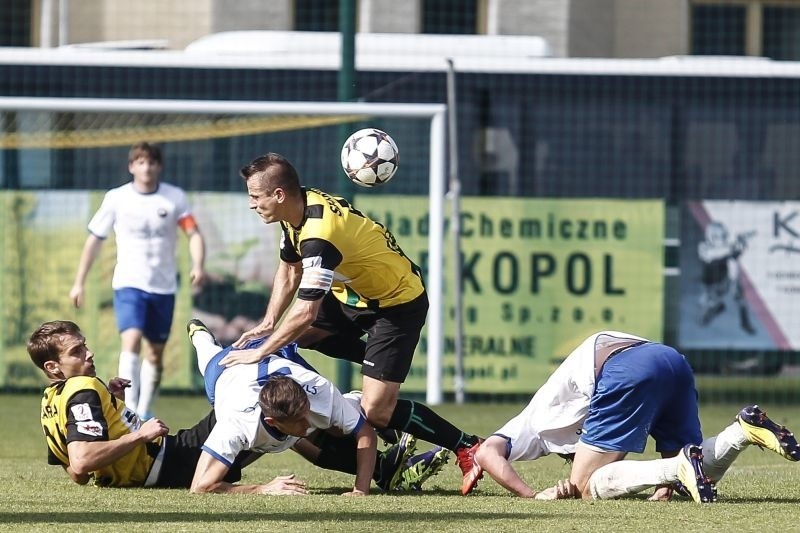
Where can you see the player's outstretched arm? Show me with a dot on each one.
(197, 251)
(366, 451)
(587, 461)
(210, 473)
(91, 248)
(492, 457)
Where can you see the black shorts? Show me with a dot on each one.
(183, 451)
(392, 333)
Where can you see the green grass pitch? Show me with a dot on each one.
(760, 493)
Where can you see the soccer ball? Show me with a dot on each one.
(370, 157)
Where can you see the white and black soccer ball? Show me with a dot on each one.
(370, 157)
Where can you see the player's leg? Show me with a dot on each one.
(150, 378)
(393, 336)
(158, 322)
(629, 477)
(751, 426)
(204, 342)
(130, 308)
(763, 432)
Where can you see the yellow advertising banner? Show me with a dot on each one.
(537, 277)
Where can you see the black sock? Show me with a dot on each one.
(420, 420)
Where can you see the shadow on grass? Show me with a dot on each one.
(335, 491)
(756, 500)
(84, 517)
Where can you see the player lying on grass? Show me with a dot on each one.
(92, 435)
(281, 402)
(602, 402)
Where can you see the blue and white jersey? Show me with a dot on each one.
(240, 425)
(552, 421)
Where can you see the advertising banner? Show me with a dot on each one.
(538, 276)
(740, 275)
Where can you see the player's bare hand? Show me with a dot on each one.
(153, 428)
(285, 486)
(662, 493)
(566, 490)
(549, 493)
(241, 357)
(355, 492)
(255, 333)
(76, 295)
(197, 277)
(561, 491)
(117, 386)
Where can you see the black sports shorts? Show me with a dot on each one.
(392, 333)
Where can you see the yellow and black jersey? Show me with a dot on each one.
(82, 409)
(344, 251)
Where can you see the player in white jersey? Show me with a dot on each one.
(602, 402)
(145, 215)
(281, 403)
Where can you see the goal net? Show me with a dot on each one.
(58, 156)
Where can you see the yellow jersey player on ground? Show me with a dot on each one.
(94, 436)
(351, 278)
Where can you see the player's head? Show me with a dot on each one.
(272, 183)
(274, 172)
(60, 350)
(145, 150)
(285, 406)
(145, 162)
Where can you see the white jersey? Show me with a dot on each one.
(240, 425)
(552, 421)
(146, 229)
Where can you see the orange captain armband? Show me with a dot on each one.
(187, 223)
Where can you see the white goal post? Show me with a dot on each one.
(434, 112)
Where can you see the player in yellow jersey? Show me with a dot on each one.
(351, 277)
(93, 435)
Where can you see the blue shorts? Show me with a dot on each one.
(214, 370)
(151, 313)
(644, 390)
